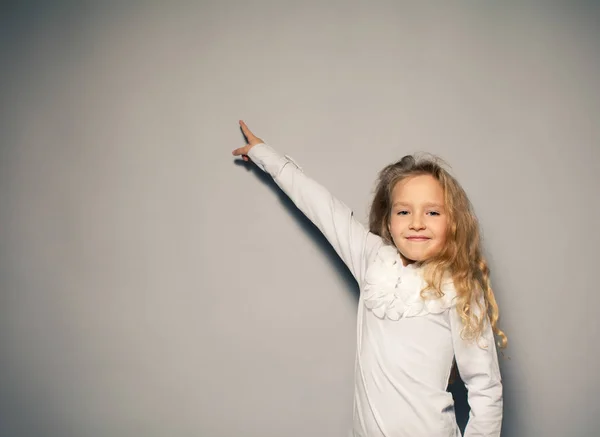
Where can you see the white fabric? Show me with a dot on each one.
(405, 344)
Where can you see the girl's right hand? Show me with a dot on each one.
(251, 140)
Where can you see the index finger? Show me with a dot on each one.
(246, 131)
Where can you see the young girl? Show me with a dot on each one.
(425, 296)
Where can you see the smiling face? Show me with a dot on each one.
(418, 220)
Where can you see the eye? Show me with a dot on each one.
(433, 213)
(402, 212)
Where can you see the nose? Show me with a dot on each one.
(417, 223)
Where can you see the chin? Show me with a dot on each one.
(415, 257)
(411, 258)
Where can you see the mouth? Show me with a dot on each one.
(417, 239)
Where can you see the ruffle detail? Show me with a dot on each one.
(393, 290)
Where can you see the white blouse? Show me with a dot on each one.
(405, 345)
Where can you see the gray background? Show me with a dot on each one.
(150, 286)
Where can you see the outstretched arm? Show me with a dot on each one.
(352, 242)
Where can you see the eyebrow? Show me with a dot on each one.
(428, 204)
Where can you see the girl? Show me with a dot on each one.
(425, 296)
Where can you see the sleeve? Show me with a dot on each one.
(350, 239)
(477, 364)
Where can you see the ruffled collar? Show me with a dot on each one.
(393, 290)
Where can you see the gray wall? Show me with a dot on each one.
(151, 286)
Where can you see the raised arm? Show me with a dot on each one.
(352, 242)
(477, 364)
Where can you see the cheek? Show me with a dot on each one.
(442, 232)
(395, 225)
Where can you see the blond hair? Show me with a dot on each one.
(461, 255)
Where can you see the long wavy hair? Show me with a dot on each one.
(461, 257)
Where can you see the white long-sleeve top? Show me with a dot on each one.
(405, 344)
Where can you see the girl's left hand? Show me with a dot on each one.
(251, 140)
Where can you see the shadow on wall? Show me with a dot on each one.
(457, 388)
(308, 228)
